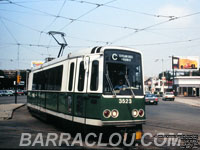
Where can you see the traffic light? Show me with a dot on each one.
(18, 79)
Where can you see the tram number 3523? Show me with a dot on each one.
(125, 101)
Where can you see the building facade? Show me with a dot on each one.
(187, 85)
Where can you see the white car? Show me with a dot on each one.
(168, 96)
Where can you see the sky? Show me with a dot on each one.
(158, 28)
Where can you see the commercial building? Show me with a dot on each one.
(187, 85)
(8, 78)
(154, 84)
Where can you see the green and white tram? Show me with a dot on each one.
(85, 89)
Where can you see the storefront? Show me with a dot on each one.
(187, 85)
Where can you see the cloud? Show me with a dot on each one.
(170, 10)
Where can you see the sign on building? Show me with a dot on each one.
(185, 63)
(36, 63)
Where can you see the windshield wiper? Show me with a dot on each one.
(110, 83)
(126, 77)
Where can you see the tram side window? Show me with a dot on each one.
(50, 79)
(81, 78)
(94, 76)
(54, 78)
(34, 85)
(71, 76)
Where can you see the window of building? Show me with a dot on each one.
(81, 78)
(94, 76)
(71, 76)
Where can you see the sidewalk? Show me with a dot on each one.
(194, 101)
(6, 110)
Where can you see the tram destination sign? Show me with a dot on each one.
(122, 57)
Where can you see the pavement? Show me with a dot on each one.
(6, 110)
(194, 101)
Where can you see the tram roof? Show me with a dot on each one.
(83, 52)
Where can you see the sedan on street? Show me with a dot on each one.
(168, 96)
(151, 99)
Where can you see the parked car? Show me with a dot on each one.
(1, 93)
(7, 93)
(12, 91)
(168, 96)
(20, 92)
(151, 99)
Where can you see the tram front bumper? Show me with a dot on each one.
(128, 123)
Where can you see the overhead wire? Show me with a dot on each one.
(106, 5)
(23, 12)
(145, 44)
(87, 21)
(9, 31)
(72, 19)
(39, 31)
(57, 16)
(166, 43)
(154, 25)
(30, 1)
(123, 9)
(31, 28)
(135, 30)
(40, 45)
(86, 13)
(53, 21)
(33, 9)
(18, 45)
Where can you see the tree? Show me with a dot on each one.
(167, 75)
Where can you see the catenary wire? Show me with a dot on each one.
(154, 25)
(9, 31)
(84, 14)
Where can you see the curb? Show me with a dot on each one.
(8, 114)
(14, 110)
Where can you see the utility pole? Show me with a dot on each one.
(18, 80)
(16, 87)
(173, 87)
(162, 77)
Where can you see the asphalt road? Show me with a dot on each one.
(166, 117)
(11, 99)
(173, 116)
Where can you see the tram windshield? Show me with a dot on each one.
(122, 73)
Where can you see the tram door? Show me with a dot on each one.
(94, 87)
(80, 95)
(70, 86)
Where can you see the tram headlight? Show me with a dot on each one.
(135, 113)
(141, 112)
(106, 113)
(115, 113)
